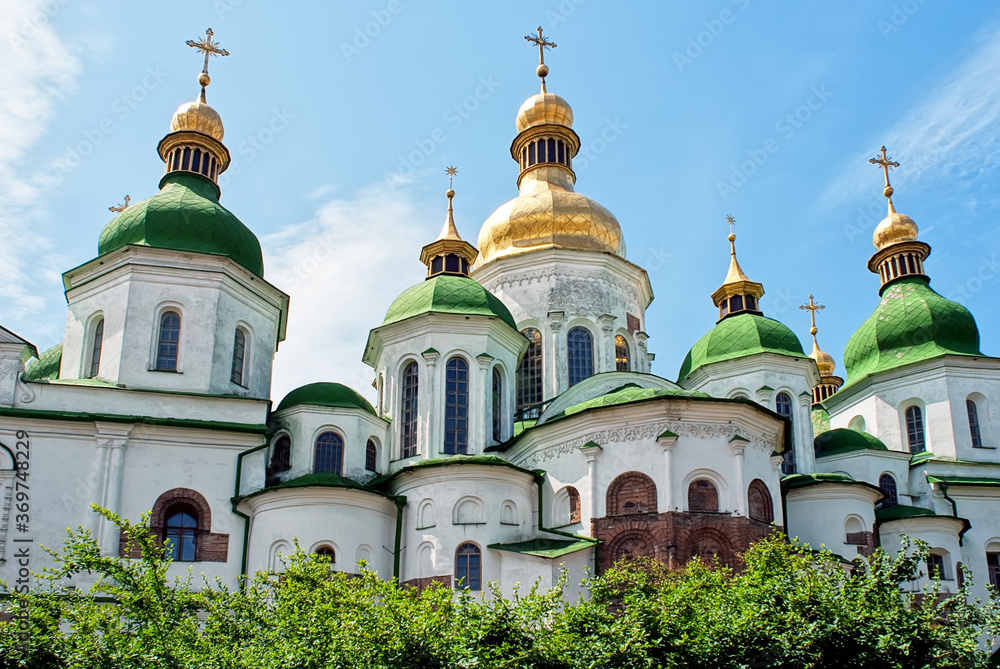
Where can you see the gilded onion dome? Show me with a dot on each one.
(547, 213)
(198, 116)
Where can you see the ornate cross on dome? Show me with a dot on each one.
(886, 164)
(119, 208)
(731, 221)
(542, 45)
(812, 308)
(451, 172)
(206, 46)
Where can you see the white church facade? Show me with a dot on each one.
(517, 430)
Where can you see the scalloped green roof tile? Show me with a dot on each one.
(845, 440)
(326, 394)
(449, 295)
(911, 323)
(184, 216)
(740, 336)
(627, 394)
(47, 365)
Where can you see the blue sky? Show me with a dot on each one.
(341, 118)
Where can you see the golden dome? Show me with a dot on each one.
(549, 214)
(544, 108)
(893, 229)
(198, 116)
(823, 360)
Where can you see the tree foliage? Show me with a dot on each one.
(790, 607)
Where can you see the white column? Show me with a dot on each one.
(606, 358)
(805, 456)
(667, 440)
(481, 406)
(428, 397)
(641, 355)
(112, 440)
(591, 452)
(556, 374)
(738, 444)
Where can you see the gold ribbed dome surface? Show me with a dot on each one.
(198, 117)
(544, 108)
(893, 229)
(548, 215)
(824, 361)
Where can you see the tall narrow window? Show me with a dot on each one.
(497, 404)
(621, 354)
(329, 454)
(935, 566)
(783, 407)
(281, 458)
(181, 527)
(529, 374)
(915, 429)
(574, 504)
(371, 456)
(580, 351)
(408, 428)
(95, 350)
(170, 336)
(993, 569)
(239, 352)
(887, 485)
(468, 569)
(970, 406)
(456, 408)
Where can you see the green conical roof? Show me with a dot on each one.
(739, 336)
(325, 395)
(448, 295)
(184, 216)
(911, 323)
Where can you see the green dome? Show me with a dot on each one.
(844, 440)
(184, 216)
(446, 294)
(47, 365)
(911, 323)
(739, 336)
(325, 395)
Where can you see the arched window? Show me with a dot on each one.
(326, 551)
(993, 567)
(239, 352)
(631, 492)
(759, 502)
(960, 574)
(973, 411)
(281, 457)
(529, 374)
(408, 428)
(371, 456)
(857, 423)
(95, 350)
(574, 504)
(580, 353)
(621, 354)
(329, 454)
(915, 429)
(887, 485)
(170, 337)
(497, 405)
(468, 567)
(936, 566)
(456, 407)
(181, 533)
(703, 496)
(783, 407)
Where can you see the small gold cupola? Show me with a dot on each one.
(194, 143)
(449, 253)
(828, 382)
(898, 253)
(737, 294)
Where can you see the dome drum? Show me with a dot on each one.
(898, 261)
(545, 145)
(192, 151)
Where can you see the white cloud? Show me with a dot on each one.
(954, 133)
(39, 70)
(342, 270)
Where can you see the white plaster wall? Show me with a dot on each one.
(979, 506)
(347, 520)
(868, 466)
(520, 572)
(445, 487)
(939, 533)
(817, 515)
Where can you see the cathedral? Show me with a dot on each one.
(517, 430)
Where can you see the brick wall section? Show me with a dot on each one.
(631, 493)
(865, 541)
(422, 584)
(209, 546)
(674, 538)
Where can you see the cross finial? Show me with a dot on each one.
(812, 308)
(731, 221)
(542, 44)
(119, 208)
(210, 48)
(451, 172)
(886, 164)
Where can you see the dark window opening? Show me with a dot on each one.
(170, 335)
(580, 353)
(468, 569)
(95, 352)
(456, 411)
(408, 429)
(915, 429)
(329, 454)
(181, 534)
